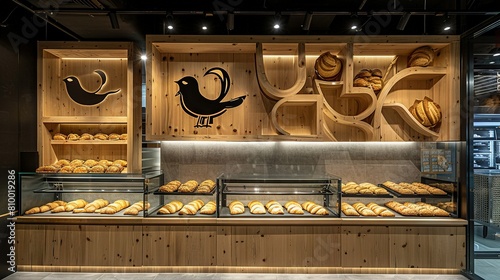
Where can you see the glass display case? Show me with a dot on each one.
(310, 192)
(77, 195)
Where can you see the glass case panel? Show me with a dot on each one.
(76, 195)
(272, 196)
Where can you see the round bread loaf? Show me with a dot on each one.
(423, 56)
(328, 67)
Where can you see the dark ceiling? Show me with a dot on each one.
(132, 20)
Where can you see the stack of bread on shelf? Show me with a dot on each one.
(371, 78)
(328, 67)
(426, 112)
(371, 209)
(88, 136)
(85, 166)
(417, 209)
(414, 188)
(363, 188)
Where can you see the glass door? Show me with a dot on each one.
(482, 68)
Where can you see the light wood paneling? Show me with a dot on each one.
(180, 245)
(365, 246)
(427, 247)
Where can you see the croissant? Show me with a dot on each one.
(206, 186)
(59, 136)
(293, 207)
(314, 208)
(189, 186)
(171, 208)
(192, 207)
(209, 208)
(79, 203)
(348, 210)
(115, 207)
(274, 207)
(94, 205)
(256, 207)
(137, 207)
(236, 207)
(44, 208)
(171, 186)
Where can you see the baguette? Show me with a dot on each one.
(236, 207)
(136, 208)
(192, 207)
(171, 208)
(115, 207)
(209, 208)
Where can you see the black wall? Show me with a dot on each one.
(19, 34)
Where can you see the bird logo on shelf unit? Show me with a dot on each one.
(196, 105)
(84, 97)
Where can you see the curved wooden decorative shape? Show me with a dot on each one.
(365, 94)
(410, 119)
(300, 99)
(420, 73)
(268, 89)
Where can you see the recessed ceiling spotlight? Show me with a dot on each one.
(355, 23)
(276, 26)
(204, 27)
(277, 21)
(144, 57)
(170, 27)
(446, 28)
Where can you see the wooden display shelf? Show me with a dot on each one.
(89, 142)
(67, 70)
(273, 72)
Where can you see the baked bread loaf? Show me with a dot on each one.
(67, 169)
(189, 186)
(47, 169)
(115, 207)
(76, 162)
(104, 162)
(45, 208)
(90, 162)
(97, 169)
(426, 112)
(380, 210)
(256, 207)
(171, 207)
(95, 205)
(59, 136)
(348, 210)
(101, 136)
(206, 186)
(137, 207)
(73, 137)
(423, 56)
(371, 78)
(81, 169)
(171, 186)
(328, 67)
(62, 162)
(87, 136)
(293, 207)
(236, 207)
(192, 207)
(120, 162)
(209, 208)
(401, 209)
(114, 169)
(114, 136)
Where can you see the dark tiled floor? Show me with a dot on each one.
(222, 276)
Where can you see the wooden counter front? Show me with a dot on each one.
(329, 245)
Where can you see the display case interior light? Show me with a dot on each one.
(496, 54)
(93, 58)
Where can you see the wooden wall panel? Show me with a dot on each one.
(180, 245)
(365, 246)
(429, 247)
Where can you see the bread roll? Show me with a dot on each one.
(67, 169)
(76, 162)
(60, 136)
(81, 169)
(87, 136)
(114, 136)
(101, 136)
(73, 137)
(171, 208)
(114, 169)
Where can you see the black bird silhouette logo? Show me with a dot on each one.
(84, 97)
(198, 106)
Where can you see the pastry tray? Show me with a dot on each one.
(397, 194)
(184, 193)
(176, 215)
(224, 212)
(389, 195)
(76, 215)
